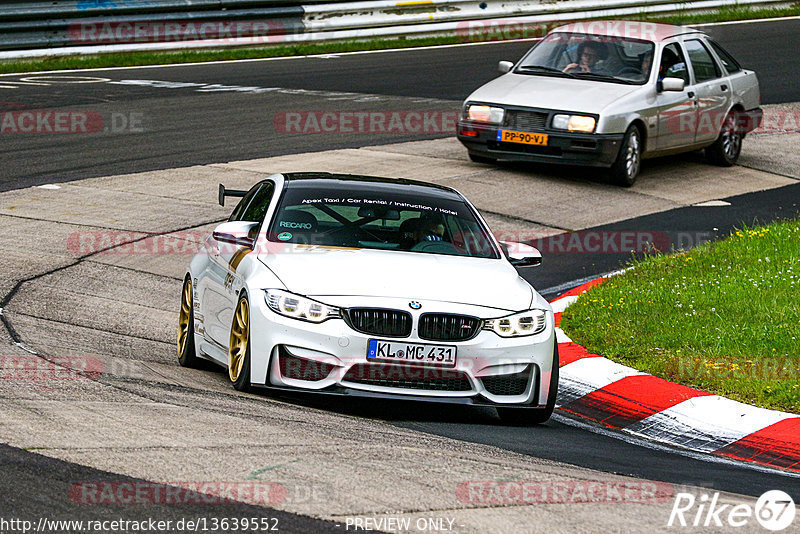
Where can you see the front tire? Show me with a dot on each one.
(239, 346)
(535, 416)
(186, 353)
(726, 149)
(626, 169)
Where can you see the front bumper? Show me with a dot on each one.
(594, 150)
(330, 357)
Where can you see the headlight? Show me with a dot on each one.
(488, 114)
(574, 123)
(298, 307)
(526, 323)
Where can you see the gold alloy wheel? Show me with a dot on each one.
(240, 336)
(185, 317)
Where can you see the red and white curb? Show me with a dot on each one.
(640, 404)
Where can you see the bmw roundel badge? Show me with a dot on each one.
(415, 305)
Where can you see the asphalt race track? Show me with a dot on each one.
(181, 127)
(217, 113)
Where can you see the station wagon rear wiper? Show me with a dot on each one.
(550, 70)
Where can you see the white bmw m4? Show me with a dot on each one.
(370, 287)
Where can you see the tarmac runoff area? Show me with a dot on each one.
(143, 416)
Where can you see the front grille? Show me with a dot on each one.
(406, 377)
(526, 121)
(302, 368)
(507, 384)
(448, 327)
(379, 321)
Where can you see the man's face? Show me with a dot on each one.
(589, 56)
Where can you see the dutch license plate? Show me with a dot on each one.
(419, 353)
(525, 138)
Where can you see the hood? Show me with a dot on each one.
(551, 92)
(319, 271)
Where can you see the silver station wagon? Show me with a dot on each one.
(610, 93)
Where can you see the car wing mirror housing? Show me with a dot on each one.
(241, 233)
(671, 84)
(521, 255)
(504, 67)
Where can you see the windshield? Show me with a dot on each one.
(380, 217)
(578, 55)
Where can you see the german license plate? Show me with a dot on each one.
(418, 353)
(525, 138)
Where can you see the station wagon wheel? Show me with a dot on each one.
(629, 161)
(726, 149)
(186, 353)
(239, 347)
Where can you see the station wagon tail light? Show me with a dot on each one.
(574, 123)
(299, 307)
(488, 114)
(527, 323)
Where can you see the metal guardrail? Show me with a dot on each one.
(64, 27)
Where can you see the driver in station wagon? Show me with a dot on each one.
(589, 54)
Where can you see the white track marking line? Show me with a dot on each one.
(559, 305)
(639, 441)
(317, 56)
(706, 423)
(587, 375)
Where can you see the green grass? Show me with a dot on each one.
(282, 50)
(723, 317)
(731, 13)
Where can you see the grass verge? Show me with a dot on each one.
(302, 49)
(723, 317)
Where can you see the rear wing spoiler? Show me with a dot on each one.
(229, 193)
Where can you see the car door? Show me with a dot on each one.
(713, 90)
(219, 296)
(677, 114)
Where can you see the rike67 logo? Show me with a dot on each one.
(774, 511)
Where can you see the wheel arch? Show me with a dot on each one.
(737, 107)
(638, 122)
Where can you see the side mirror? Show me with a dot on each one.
(504, 66)
(240, 233)
(671, 84)
(521, 255)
